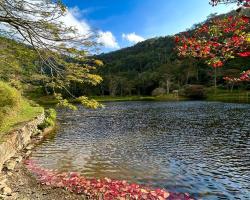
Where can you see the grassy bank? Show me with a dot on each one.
(14, 109)
(235, 96)
(169, 97)
(49, 100)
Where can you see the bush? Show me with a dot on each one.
(9, 96)
(50, 119)
(10, 101)
(194, 91)
(158, 92)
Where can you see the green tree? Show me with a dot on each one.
(61, 48)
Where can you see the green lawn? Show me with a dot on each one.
(236, 96)
(220, 95)
(169, 97)
(26, 113)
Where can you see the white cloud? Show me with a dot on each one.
(74, 18)
(132, 37)
(108, 40)
(77, 12)
(70, 20)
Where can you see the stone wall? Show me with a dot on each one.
(19, 138)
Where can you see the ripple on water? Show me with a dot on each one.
(201, 148)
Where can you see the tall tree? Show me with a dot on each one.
(239, 2)
(61, 48)
(217, 41)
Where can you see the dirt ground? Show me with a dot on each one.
(24, 186)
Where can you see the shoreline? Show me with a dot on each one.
(24, 186)
(17, 183)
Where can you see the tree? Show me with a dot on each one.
(239, 2)
(217, 41)
(61, 48)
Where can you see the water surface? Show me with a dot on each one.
(202, 148)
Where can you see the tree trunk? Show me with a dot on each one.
(168, 86)
(215, 79)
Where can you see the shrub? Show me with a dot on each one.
(194, 91)
(158, 92)
(9, 96)
(10, 102)
(50, 118)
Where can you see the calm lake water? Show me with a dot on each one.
(202, 148)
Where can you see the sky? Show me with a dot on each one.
(123, 23)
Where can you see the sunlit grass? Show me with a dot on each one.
(14, 109)
(26, 113)
(235, 96)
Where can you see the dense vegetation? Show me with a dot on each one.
(140, 69)
(14, 109)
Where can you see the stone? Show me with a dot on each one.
(10, 165)
(3, 183)
(29, 147)
(6, 191)
(24, 198)
(38, 132)
(9, 173)
(18, 159)
(2, 196)
(18, 138)
(40, 137)
(3, 180)
(28, 153)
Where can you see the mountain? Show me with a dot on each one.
(153, 63)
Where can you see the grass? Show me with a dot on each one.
(223, 95)
(236, 96)
(169, 97)
(14, 109)
(26, 113)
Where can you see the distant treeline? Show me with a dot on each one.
(136, 70)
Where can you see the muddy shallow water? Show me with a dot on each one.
(202, 148)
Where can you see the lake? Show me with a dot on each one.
(202, 148)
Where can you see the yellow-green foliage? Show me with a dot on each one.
(10, 102)
(14, 109)
(50, 118)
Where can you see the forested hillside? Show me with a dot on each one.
(154, 63)
(136, 70)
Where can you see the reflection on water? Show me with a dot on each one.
(202, 148)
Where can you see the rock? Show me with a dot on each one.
(24, 198)
(28, 153)
(6, 191)
(19, 159)
(3, 183)
(10, 165)
(2, 196)
(29, 147)
(40, 137)
(2, 186)
(38, 132)
(9, 173)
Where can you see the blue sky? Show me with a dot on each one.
(122, 23)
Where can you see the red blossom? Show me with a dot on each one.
(217, 64)
(245, 77)
(244, 54)
(217, 41)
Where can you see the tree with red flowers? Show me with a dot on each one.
(217, 41)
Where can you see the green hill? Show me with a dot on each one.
(154, 63)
